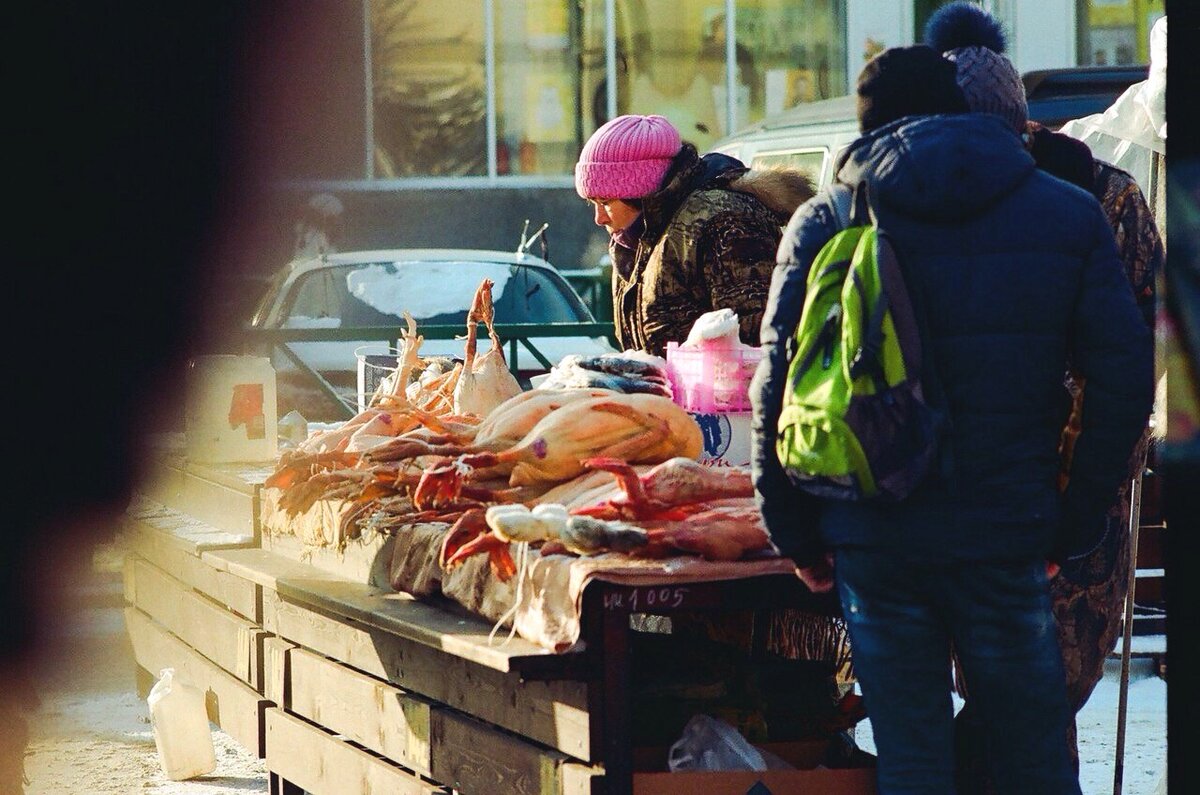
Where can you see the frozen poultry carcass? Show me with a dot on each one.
(484, 382)
(586, 489)
(514, 418)
(385, 414)
(296, 466)
(504, 427)
(506, 524)
(436, 393)
(637, 428)
(726, 531)
(326, 485)
(392, 391)
(722, 532)
(669, 490)
(382, 428)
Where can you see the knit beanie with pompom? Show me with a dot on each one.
(973, 40)
(627, 158)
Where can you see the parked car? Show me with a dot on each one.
(1056, 96)
(812, 135)
(373, 288)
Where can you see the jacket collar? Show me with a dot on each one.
(688, 173)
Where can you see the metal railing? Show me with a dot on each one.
(514, 336)
(593, 285)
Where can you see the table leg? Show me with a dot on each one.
(278, 785)
(618, 751)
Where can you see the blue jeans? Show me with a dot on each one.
(903, 615)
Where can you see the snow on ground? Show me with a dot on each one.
(1145, 731)
(91, 733)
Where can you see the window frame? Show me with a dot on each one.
(793, 150)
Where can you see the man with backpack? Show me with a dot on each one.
(1011, 273)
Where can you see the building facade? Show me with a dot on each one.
(450, 122)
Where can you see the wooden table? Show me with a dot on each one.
(342, 687)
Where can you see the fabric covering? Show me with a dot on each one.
(552, 597)
(626, 158)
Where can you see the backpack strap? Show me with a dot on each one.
(910, 316)
(842, 197)
(862, 212)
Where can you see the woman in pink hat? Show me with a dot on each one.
(689, 234)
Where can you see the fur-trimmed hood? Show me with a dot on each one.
(780, 188)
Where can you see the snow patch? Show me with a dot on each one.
(424, 289)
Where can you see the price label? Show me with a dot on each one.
(647, 598)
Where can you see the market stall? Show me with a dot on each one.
(475, 587)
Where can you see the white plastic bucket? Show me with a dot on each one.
(230, 413)
(181, 731)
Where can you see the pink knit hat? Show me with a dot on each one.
(627, 158)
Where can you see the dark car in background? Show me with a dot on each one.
(1056, 96)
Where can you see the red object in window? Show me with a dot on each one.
(503, 161)
(528, 157)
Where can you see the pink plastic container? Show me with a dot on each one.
(711, 379)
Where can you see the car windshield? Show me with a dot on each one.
(435, 293)
(263, 309)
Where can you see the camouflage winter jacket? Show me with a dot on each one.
(709, 242)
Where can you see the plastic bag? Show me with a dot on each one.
(720, 325)
(711, 744)
(181, 731)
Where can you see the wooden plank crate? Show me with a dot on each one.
(346, 687)
(412, 685)
(225, 497)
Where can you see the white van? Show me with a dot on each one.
(811, 136)
(808, 137)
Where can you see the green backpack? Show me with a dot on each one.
(855, 423)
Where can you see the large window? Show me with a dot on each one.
(672, 58)
(789, 52)
(537, 88)
(429, 88)
(502, 88)
(1116, 31)
(674, 68)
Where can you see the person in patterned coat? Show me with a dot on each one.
(689, 233)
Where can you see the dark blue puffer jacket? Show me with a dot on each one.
(1021, 275)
